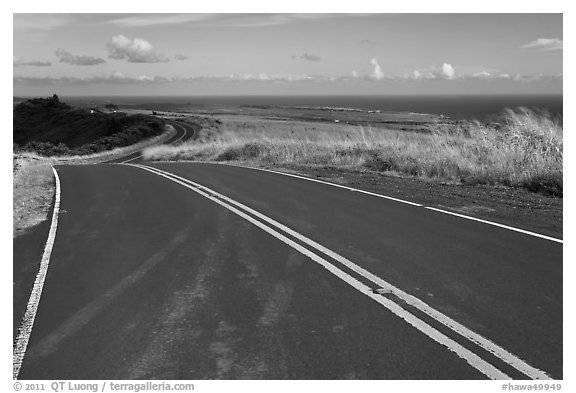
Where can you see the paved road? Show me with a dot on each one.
(149, 279)
(28, 248)
(184, 132)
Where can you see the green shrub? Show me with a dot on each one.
(39, 121)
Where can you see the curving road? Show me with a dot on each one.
(204, 271)
(184, 132)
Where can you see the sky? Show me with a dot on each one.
(292, 54)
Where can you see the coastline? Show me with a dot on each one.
(457, 106)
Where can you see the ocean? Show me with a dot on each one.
(480, 107)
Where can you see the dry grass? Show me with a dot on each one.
(525, 149)
(33, 190)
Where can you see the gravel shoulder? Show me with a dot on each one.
(510, 206)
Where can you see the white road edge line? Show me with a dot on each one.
(177, 140)
(497, 225)
(330, 184)
(397, 200)
(25, 329)
(131, 159)
(463, 331)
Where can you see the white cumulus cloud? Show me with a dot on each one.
(482, 75)
(448, 71)
(377, 72)
(133, 50)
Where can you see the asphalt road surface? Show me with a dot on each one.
(247, 274)
(184, 132)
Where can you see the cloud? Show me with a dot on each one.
(24, 21)
(262, 77)
(17, 62)
(155, 20)
(447, 71)
(468, 73)
(179, 56)
(121, 79)
(264, 20)
(115, 77)
(66, 57)
(377, 72)
(134, 50)
(310, 57)
(482, 75)
(222, 20)
(545, 44)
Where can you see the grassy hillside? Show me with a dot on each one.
(51, 127)
(524, 149)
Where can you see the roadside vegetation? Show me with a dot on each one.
(33, 190)
(524, 148)
(50, 127)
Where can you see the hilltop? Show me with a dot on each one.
(49, 126)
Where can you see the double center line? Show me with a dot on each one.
(484, 355)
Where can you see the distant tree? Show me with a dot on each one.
(53, 101)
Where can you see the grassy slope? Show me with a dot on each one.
(524, 150)
(32, 193)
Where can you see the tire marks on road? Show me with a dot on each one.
(84, 316)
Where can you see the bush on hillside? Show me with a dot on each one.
(50, 127)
